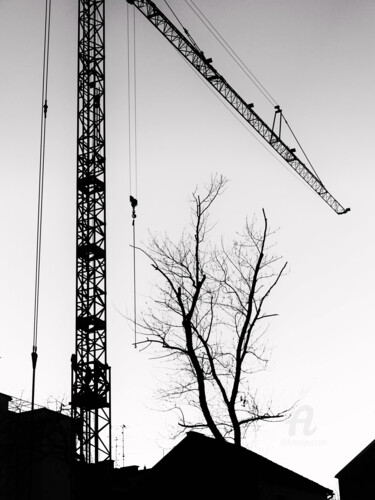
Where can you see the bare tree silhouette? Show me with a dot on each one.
(209, 319)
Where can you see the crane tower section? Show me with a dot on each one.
(91, 405)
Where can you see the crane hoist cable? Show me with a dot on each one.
(133, 157)
(182, 26)
(301, 148)
(132, 101)
(249, 129)
(42, 149)
(226, 46)
(242, 65)
(174, 14)
(203, 66)
(134, 203)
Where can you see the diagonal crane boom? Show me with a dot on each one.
(191, 52)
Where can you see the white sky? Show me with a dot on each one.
(316, 58)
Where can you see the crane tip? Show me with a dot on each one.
(345, 211)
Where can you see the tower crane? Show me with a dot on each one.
(196, 58)
(90, 400)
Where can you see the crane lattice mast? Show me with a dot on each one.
(191, 52)
(91, 405)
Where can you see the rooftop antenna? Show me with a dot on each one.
(123, 444)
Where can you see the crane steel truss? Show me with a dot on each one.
(91, 406)
(196, 58)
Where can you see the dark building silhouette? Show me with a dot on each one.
(37, 462)
(37, 459)
(355, 479)
(36, 453)
(203, 467)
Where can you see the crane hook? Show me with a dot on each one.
(134, 203)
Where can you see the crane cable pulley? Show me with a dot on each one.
(34, 354)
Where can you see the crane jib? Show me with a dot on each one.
(203, 65)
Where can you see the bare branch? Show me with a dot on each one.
(207, 318)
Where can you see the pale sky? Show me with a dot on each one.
(316, 58)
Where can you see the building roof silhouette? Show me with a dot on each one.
(356, 478)
(201, 466)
